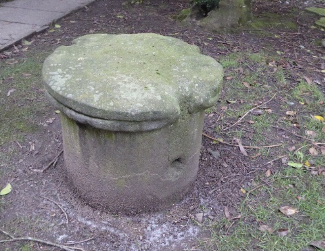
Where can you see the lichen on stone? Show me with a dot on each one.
(132, 77)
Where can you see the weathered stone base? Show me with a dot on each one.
(133, 172)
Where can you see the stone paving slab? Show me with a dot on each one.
(22, 18)
(27, 16)
(14, 31)
(56, 6)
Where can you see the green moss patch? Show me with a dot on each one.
(272, 20)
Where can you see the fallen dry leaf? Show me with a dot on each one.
(322, 149)
(301, 198)
(241, 148)
(308, 80)
(199, 217)
(243, 190)
(11, 62)
(318, 244)
(266, 228)
(291, 113)
(10, 91)
(246, 84)
(307, 163)
(311, 134)
(313, 151)
(291, 148)
(227, 214)
(319, 118)
(268, 173)
(313, 172)
(283, 232)
(229, 78)
(256, 155)
(288, 211)
(257, 112)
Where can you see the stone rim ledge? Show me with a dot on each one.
(111, 125)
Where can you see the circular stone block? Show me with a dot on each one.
(132, 116)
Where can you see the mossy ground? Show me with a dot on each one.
(22, 97)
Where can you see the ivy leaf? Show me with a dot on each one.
(7, 189)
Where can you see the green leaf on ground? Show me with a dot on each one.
(295, 165)
(7, 189)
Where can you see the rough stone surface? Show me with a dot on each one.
(133, 172)
(230, 14)
(132, 116)
(131, 78)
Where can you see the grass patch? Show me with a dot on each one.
(22, 97)
(309, 95)
(290, 187)
(271, 21)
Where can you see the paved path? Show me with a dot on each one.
(21, 18)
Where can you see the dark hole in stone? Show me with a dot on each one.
(177, 162)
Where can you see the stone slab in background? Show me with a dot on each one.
(10, 32)
(53, 6)
(22, 18)
(28, 16)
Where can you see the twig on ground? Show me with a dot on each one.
(253, 189)
(19, 144)
(27, 238)
(232, 223)
(269, 162)
(249, 112)
(299, 136)
(228, 144)
(226, 183)
(241, 147)
(54, 161)
(65, 214)
(317, 144)
(79, 242)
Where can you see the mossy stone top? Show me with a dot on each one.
(131, 82)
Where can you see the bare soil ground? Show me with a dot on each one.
(43, 206)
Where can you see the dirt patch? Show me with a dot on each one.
(32, 207)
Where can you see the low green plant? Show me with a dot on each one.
(206, 5)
